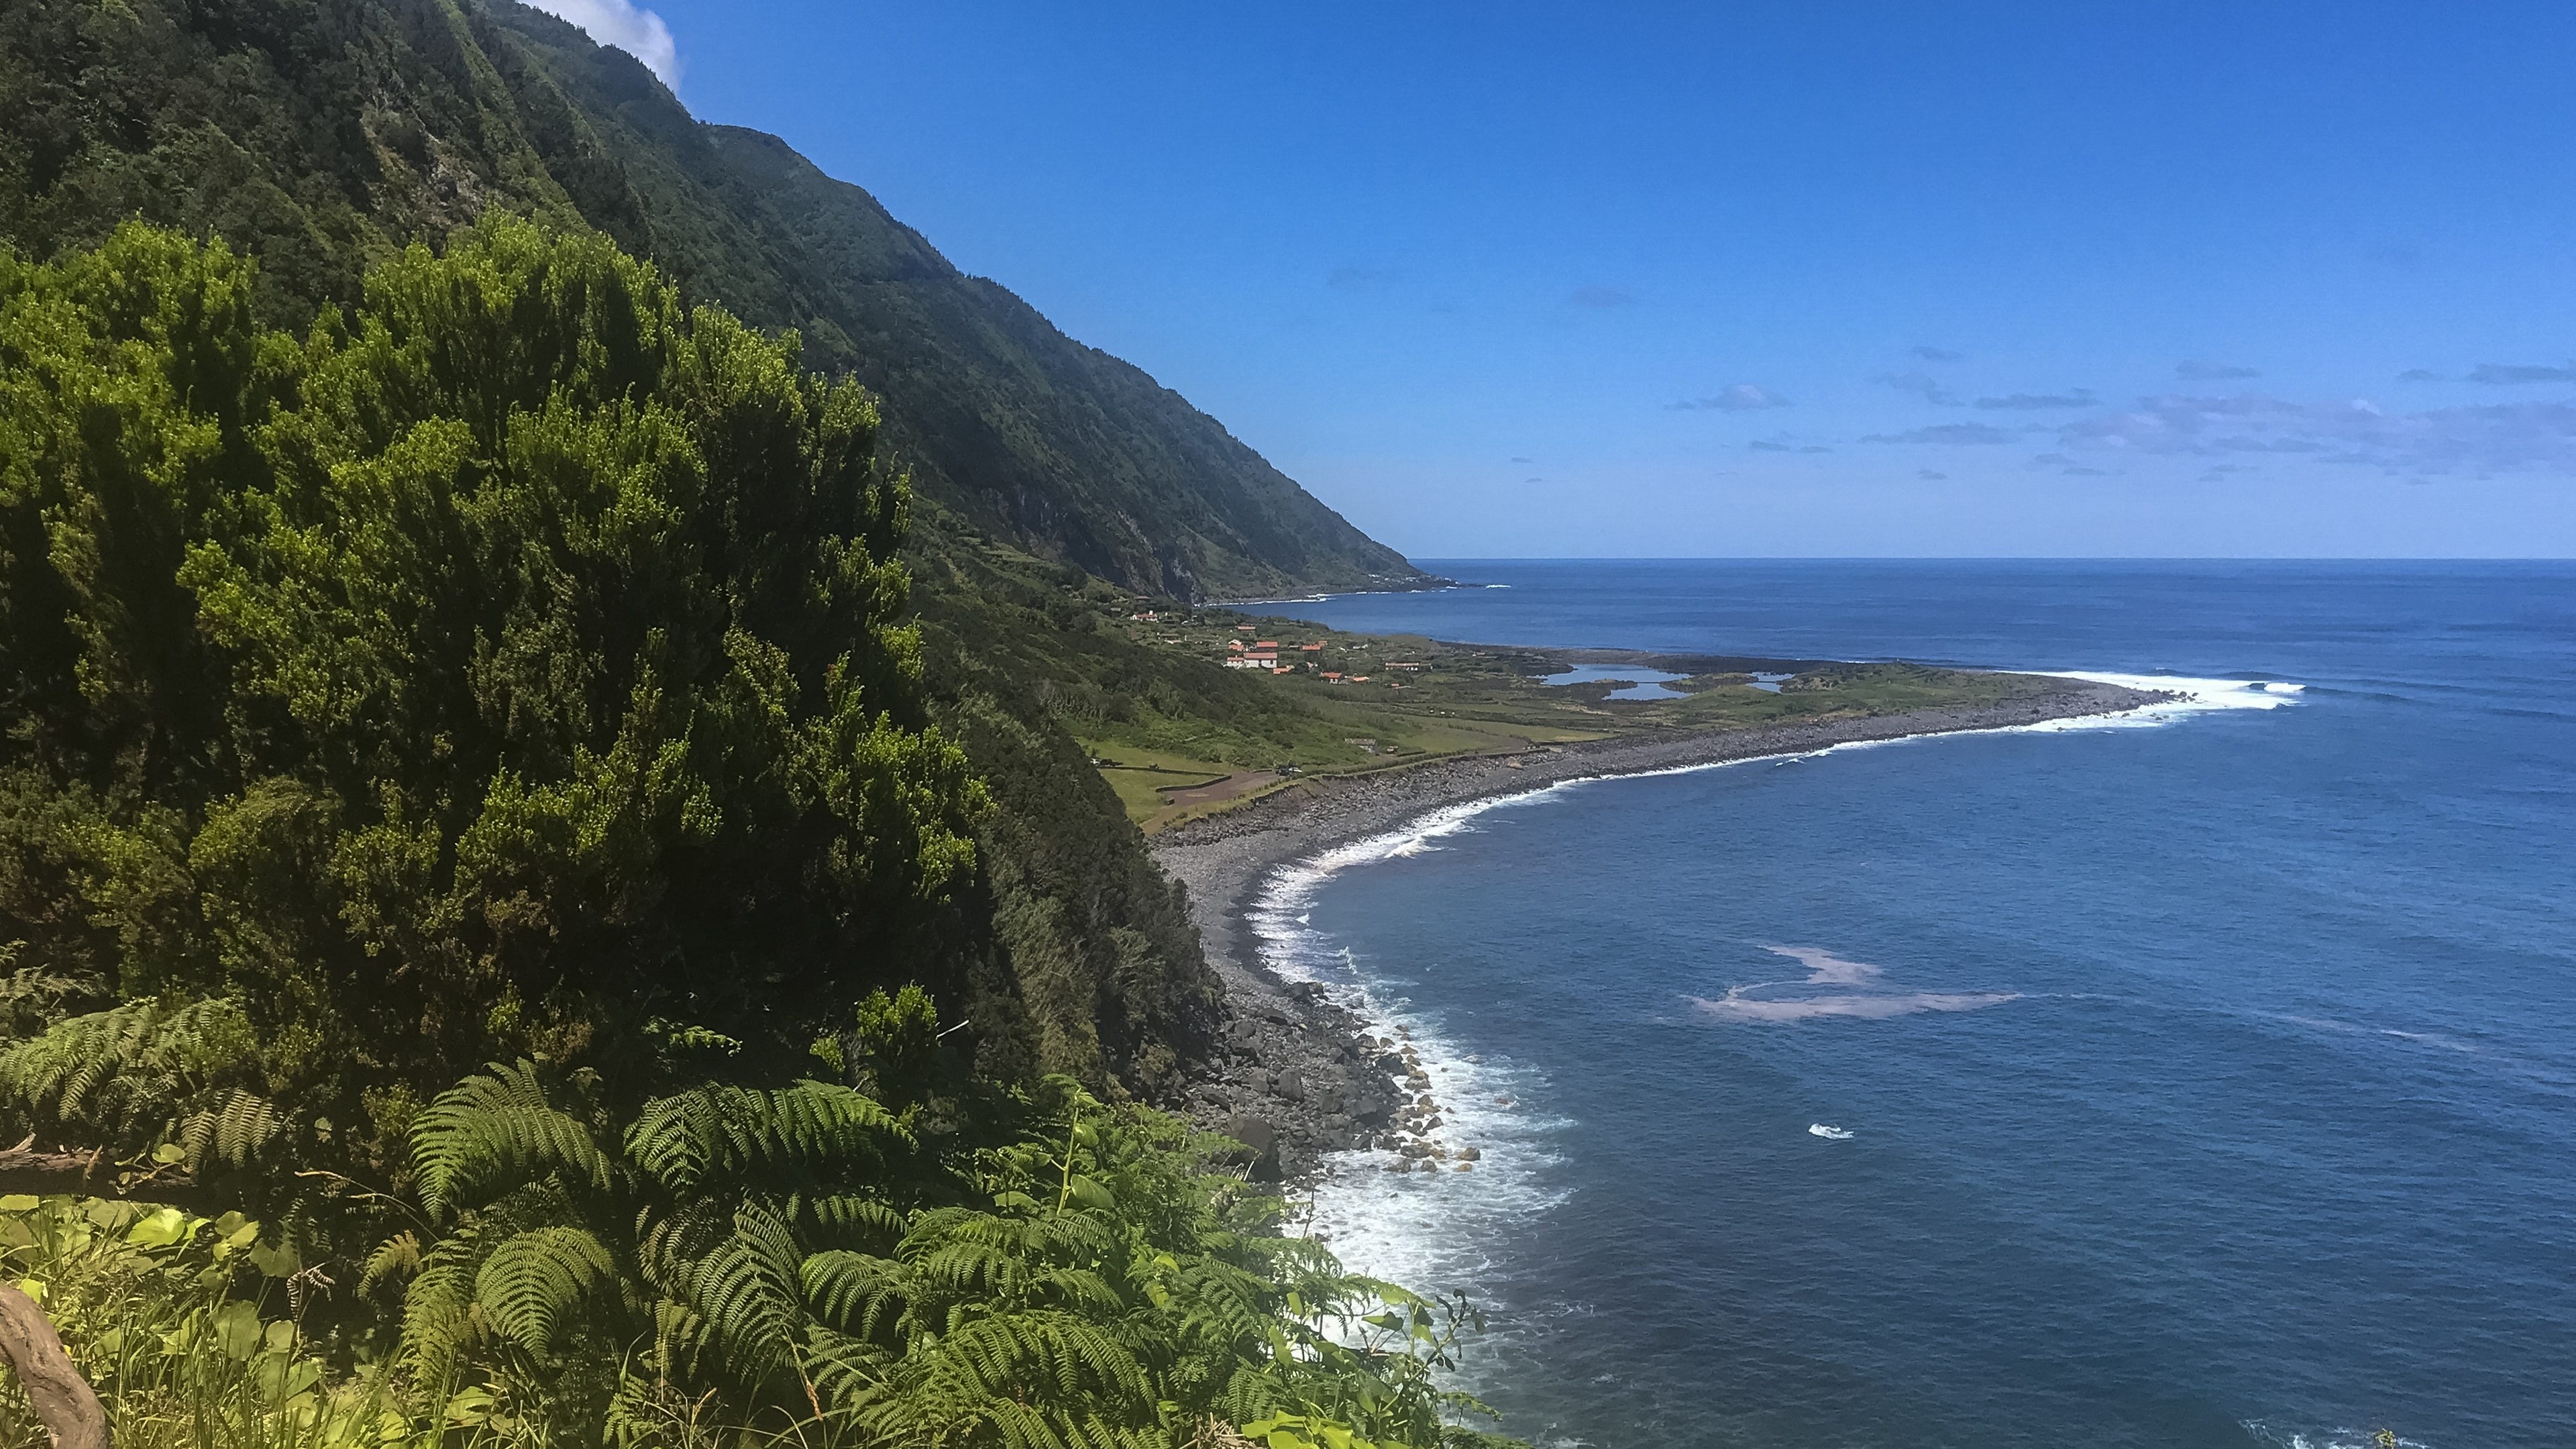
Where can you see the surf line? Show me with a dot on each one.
(1415, 835)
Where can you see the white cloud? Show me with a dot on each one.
(1921, 384)
(2212, 372)
(1742, 397)
(1948, 434)
(638, 32)
(2470, 440)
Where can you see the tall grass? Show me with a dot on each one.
(191, 1331)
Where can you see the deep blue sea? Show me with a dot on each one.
(2209, 1080)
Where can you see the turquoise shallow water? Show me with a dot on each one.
(2209, 1082)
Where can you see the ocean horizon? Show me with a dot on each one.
(2192, 1078)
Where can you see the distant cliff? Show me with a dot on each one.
(322, 136)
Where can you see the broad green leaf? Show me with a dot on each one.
(238, 1331)
(162, 1229)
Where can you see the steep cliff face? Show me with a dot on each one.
(320, 135)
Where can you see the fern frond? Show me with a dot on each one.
(1220, 1304)
(439, 1322)
(748, 1291)
(227, 1132)
(395, 1259)
(1028, 1381)
(841, 1367)
(532, 1281)
(853, 1291)
(843, 1220)
(688, 1140)
(496, 1128)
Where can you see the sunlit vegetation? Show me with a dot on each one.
(475, 803)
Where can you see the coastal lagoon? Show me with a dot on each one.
(2207, 1074)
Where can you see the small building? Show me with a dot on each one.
(1312, 648)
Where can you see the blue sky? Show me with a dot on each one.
(1802, 279)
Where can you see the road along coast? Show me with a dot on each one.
(1295, 1075)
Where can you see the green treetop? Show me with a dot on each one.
(515, 664)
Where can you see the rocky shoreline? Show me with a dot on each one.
(1294, 1074)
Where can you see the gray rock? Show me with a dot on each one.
(1261, 1145)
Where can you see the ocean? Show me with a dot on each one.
(2207, 1077)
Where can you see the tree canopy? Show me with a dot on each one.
(517, 662)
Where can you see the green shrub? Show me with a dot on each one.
(788, 1262)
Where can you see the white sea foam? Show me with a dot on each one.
(2281, 1438)
(1856, 992)
(2193, 697)
(1432, 1230)
(1873, 1006)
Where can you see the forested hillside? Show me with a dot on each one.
(319, 136)
(506, 770)
(318, 139)
(472, 792)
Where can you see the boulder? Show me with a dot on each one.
(1260, 1145)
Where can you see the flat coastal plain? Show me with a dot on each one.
(1297, 1076)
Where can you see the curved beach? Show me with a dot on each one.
(1296, 1075)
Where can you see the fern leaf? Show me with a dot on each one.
(238, 1124)
(687, 1140)
(747, 1290)
(397, 1257)
(533, 1280)
(496, 1128)
(853, 1291)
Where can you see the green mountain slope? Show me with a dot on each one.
(321, 135)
